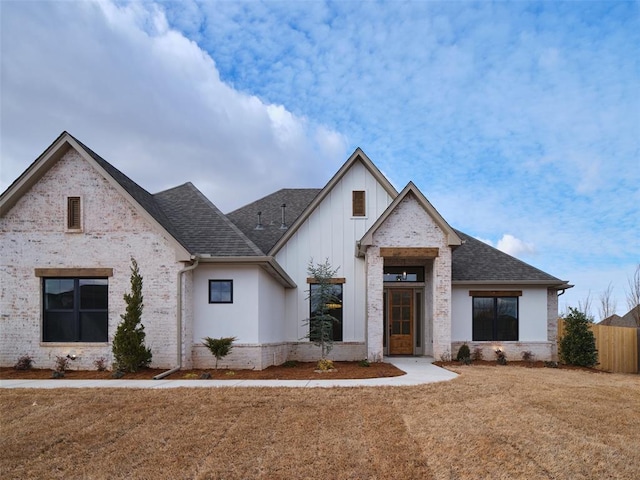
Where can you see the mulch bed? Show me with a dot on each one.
(534, 364)
(302, 371)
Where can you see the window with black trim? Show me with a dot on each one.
(495, 318)
(331, 300)
(359, 205)
(75, 309)
(220, 291)
(73, 213)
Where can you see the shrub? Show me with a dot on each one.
(25, 362)
(219, 347)
(100, 364)
(527, 356)
(477, 354)
(578, 344)
(464, 354)
(61, 366)
(325, 365)
(501, 357)
(129, 351)
(364, 363)
(290, 364)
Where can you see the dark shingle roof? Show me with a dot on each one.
(202, 227)
(246, 218)
(186, 214)
(476, 261)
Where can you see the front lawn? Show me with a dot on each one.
(489, 422)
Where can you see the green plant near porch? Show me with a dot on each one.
(320, 321)
(219, 347)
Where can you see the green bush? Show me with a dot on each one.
(219, 347)
(464, 353)
(129, 351)
(578, 344)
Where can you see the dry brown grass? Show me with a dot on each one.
(488, 423)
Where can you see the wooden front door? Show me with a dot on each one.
(400, 321)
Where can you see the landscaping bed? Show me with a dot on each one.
(295, 371)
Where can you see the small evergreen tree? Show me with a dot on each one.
(464, 353)
(129, 351)
(321, 297)
(219, 347)
(578, 344)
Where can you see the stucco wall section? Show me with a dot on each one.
(34, 236)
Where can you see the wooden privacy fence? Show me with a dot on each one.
(617, 347)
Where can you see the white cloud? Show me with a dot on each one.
(150, 101)
(514, 246)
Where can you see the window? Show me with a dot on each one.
(75, 309)
(495, 318)
(73, 213)
(403, 274)
(220, 291)
(359, 205)
(332, 300)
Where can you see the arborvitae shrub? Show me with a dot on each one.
(129, 351)
(578, 344)
(463, 353)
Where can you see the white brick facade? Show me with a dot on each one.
(34, 236)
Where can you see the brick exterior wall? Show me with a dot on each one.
(409, 225)
(34, 236)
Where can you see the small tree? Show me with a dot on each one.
(633, 295)
(219, 347)
(129, 351)
(578, 344)
(322, 297)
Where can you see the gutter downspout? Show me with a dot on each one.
(196, 260)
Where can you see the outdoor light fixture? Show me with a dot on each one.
(72, 355)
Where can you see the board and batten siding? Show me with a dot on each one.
(35, 235)
(331, 232)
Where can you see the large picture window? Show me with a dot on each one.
(495, 318)
(220, 291)
(75, 310)
(333, 307)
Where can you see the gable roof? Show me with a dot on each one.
(410, 189)
(184, 214)
(201, 226)
(357, 156)
(475, 261)
(270, 209)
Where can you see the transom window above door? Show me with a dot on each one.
(404, 274)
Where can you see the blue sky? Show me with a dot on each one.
(520, 121)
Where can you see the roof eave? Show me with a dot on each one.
(557, 284)
(268, 263)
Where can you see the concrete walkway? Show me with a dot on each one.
(419, 371)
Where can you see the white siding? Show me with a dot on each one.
(270, 309)
(238, 319)
(331, 233)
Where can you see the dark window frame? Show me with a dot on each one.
(497, 323)
(76, 323)
(337, 313)
(221, 300)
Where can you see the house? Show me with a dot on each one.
(408, 283)
(629, 319)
